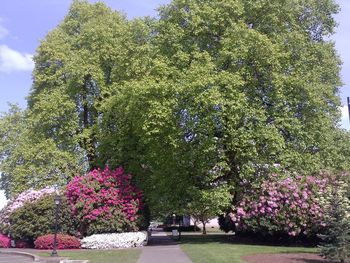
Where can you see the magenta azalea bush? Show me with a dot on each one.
(282, 205)
(105, 201)
(63, 242)
(5, 241)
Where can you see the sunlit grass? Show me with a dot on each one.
(217, 249)
(100, 256)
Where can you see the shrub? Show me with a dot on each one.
(63, 242)
(5, 241)
(37, 219)
(120, 240)
(225, 223)
(281, 205)
(336, 237)
(22, 244)
(182, 228)
(26, 197)
(105, 201)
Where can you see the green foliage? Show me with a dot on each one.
(115, 223)
(336, 239)
(28, 160)
(212, 93)
(233, 91)
(12, 127)
(77, 67)
(208, 204)
(38, 218)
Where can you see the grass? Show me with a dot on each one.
(218, 249)
(100, 256)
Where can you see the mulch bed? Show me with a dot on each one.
(286, 258)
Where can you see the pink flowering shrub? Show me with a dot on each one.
(282, 205)
(105, 201)
(63, 242)
(28, 196)
(5, 241)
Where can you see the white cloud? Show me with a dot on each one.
(3, 200)
(345, 117)
(12, 60)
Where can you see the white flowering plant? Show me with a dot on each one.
(115, 240)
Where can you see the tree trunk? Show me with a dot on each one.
(204, 229)
(88, 116)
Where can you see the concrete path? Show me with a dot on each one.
(162, 249)
(11, 258)
(17, 255)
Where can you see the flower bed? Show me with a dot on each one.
(108, 241)
(63, 242)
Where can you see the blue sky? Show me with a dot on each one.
(23, 23)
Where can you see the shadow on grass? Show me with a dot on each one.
(239, 240)
(202, 239)
(284, 257)
(310, 260)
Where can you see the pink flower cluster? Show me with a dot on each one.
(102, 194)
(5, 241)
(286, 205)
(28, 197)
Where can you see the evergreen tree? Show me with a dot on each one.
(336, 239)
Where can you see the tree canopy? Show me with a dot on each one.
(211, 95)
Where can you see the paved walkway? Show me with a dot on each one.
(17, 255)
(162, 249)
(8, 258)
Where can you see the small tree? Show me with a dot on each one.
(207, 204)
(336, 239)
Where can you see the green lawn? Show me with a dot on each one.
(217, 249)
(101, 256)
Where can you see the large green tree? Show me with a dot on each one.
(210, 95)
(77, 66)
(236, 89)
